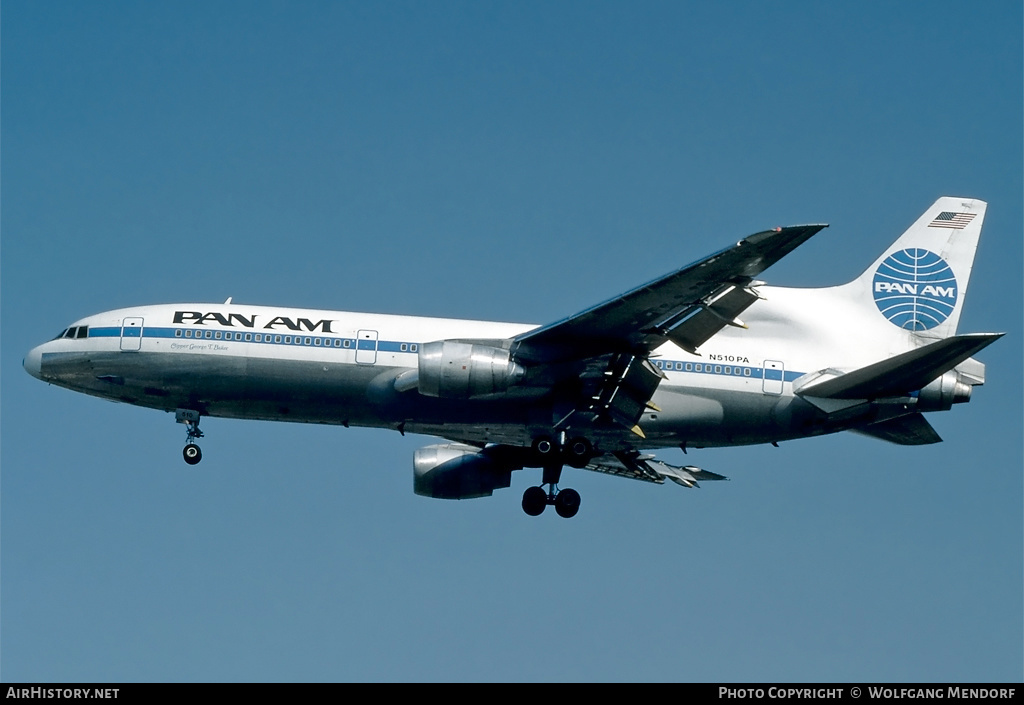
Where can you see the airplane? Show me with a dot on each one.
(667, 364)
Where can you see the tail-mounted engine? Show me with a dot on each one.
(941, 393)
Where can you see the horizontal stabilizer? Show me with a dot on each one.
(910, 430)
(904, 373)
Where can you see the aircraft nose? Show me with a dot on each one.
(33, 363)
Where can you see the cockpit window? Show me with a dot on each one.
(74, 332)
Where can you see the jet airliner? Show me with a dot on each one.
(707, 355)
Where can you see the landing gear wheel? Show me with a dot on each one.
(578, 452)
(534, 501)
(544, 447)
(567, 503)
(192, 454)
(190, 417)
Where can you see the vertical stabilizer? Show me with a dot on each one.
(920, 281)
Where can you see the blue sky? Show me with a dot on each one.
(501, 161)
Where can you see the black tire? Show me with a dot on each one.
(578, 452)
(567, 503)
(544, 447)
(534, 501)
(192, 454)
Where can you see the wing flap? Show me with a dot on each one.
(650, 469)
(699, 326)
(623, 466)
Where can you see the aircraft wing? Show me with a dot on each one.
(687, 306)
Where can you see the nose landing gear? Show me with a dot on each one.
(190, 418)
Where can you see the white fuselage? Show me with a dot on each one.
(331, 367)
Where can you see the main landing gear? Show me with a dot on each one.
(567, 501)
(190, 418)
(575, 452)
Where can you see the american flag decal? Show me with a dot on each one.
(948, 219)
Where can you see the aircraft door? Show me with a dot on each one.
(131, 334)
(774, 373)
(366, 347)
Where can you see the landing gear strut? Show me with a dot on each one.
(567, 501)
(190, 418)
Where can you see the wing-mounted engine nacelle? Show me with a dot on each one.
(456, 471)
(941, 393)
(456, 370)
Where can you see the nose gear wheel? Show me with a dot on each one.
(191, 452)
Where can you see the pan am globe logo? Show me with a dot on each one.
(915, 289)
